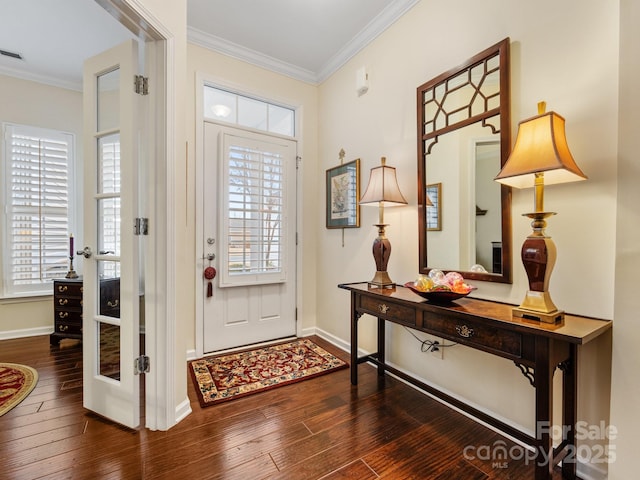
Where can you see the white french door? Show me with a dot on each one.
(111, 267)
(249, 217)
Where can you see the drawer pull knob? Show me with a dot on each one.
(382, 308)
(62, 288)
(63, 328)
(63, 301)
(464, 331)
(63, 314)
(113, 304)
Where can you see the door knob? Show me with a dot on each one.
(86, 253)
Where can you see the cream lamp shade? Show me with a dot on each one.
(383, 187)
(382, 190)
(541, 147)
(540, 156)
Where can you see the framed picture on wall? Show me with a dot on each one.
(343, 194)
(434, 210)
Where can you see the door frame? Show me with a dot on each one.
(203, 79)
(161, 413)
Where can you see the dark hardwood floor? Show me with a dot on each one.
(320, 428)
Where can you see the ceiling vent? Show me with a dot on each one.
(11, 54)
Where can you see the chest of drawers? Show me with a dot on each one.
(67, 310)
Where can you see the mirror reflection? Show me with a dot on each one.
(464, 123)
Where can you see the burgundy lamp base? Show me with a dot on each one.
(381, 252)
(538, 258)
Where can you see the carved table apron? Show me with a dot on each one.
(537, 349)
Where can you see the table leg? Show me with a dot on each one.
(544, 409)
(570, 407)
(354, 340)
(381, 347)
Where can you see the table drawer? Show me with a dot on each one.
(68, 289)
(382, 308)
(486, 337)
(68, 302)
(65, 328)
(68, 316)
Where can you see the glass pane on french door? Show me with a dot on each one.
(108, 214)
(108, 100)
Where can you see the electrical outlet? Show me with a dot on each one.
(437, 350)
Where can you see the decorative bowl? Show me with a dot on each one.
(438, 296)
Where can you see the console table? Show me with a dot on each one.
(536, 348)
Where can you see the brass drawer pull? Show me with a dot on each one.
(63, 328)
(62, 288)
(63, 314)
(113, 304)
(63, 301)
(464, 331)
(382, 308)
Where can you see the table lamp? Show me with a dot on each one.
(382, 189)
(540, 155)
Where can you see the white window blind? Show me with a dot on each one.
(38, 166)
(254, 221)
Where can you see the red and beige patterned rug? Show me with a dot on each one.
(226, 377)
(16, 382)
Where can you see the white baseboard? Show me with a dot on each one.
(589, 471)
(183, 409)
(26, 332)
(337, 341)
(191, 354)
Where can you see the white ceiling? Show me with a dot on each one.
(54, 38)
(304, 39)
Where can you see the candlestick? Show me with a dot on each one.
(71, 273)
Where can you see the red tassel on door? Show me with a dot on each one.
(210, 274)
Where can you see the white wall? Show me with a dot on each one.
(30, 103)
(565, 53)
(625, 387)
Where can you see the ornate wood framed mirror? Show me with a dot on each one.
(464, 138)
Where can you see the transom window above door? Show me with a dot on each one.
(229, 107)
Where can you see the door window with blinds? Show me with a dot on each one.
(254, 180)
(37, 201)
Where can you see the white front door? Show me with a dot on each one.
(249, 237)
(111, 271)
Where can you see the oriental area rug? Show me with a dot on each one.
(16, 382)
(226, 377)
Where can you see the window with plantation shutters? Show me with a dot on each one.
(37, 192)
(254, 223)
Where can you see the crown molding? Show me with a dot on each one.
(379, 24)
(368, 34)
(45, 79)
(217, 44)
